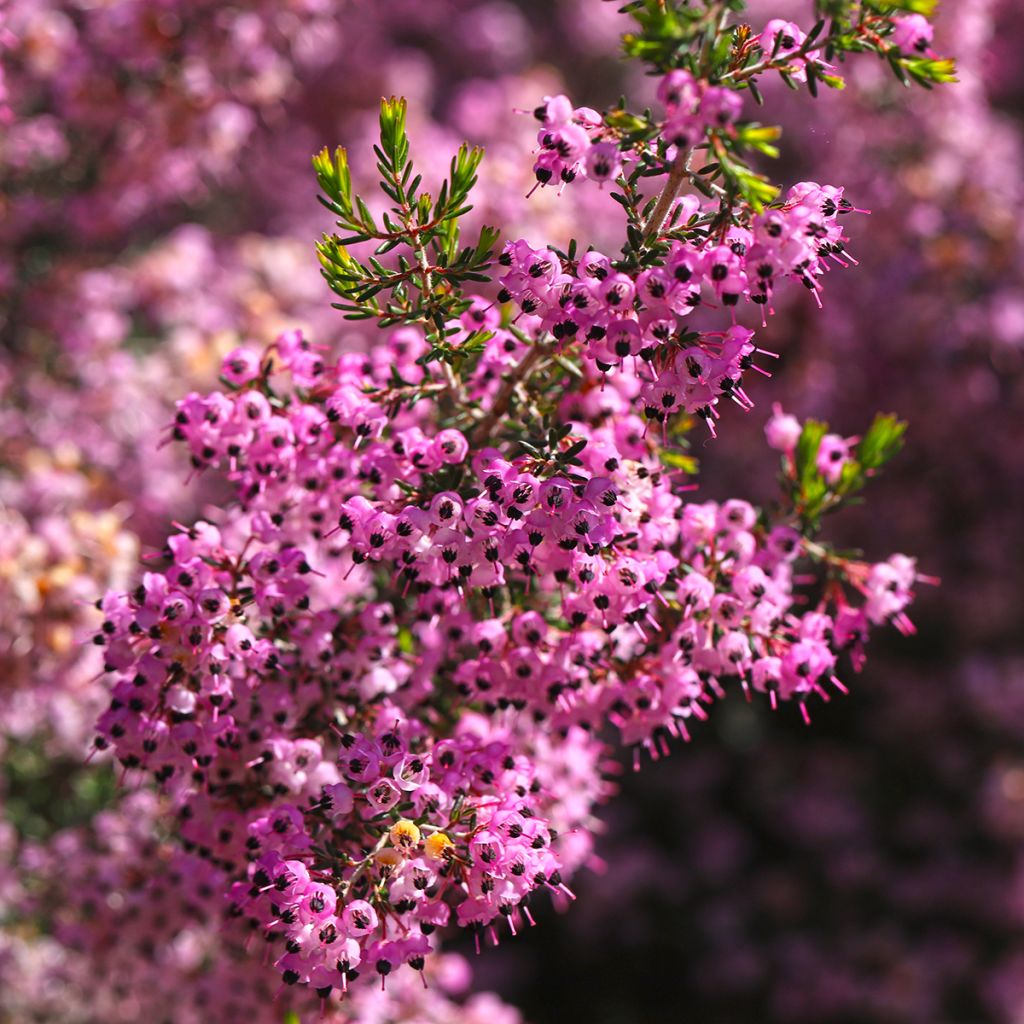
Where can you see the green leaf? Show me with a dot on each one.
(570, 368)
(926, 70)
(679, 460)
(335, 180)
(406, 643)
(393, 139)
(851, 478)
(884, 438)
(925, 7)
(624, 121)
(759, 137)
(806, 456)
(755, 188)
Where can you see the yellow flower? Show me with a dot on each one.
(437, 846)
(404, 834)
(388, 858)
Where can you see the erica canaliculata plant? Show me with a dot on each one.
(380, 686)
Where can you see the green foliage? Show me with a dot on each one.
(926, 71)
(697, 36)
(422, 284)
(675, 459)
(753, 188)
(44, 794)
(811, 495)
(810, 489)
(925, 7)
(852, 10)
(884, 438)
(555, 449)
(672, 34)
(862, 26)
(759, 137)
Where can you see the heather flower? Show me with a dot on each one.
(782, 430)
(912, 33)
(833, 455)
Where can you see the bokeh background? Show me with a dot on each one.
(157, 209)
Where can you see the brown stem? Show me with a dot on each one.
(676, 177)
(453, 385)
(504, 396)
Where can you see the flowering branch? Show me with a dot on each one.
(375, 663)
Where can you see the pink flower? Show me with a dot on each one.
(782, 430)
(833, 455)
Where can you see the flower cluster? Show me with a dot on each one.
(149, 914)
(367, 693)
(224, 658)
(478, 834)
(636, 318)
(576, 143)
(570, 144)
